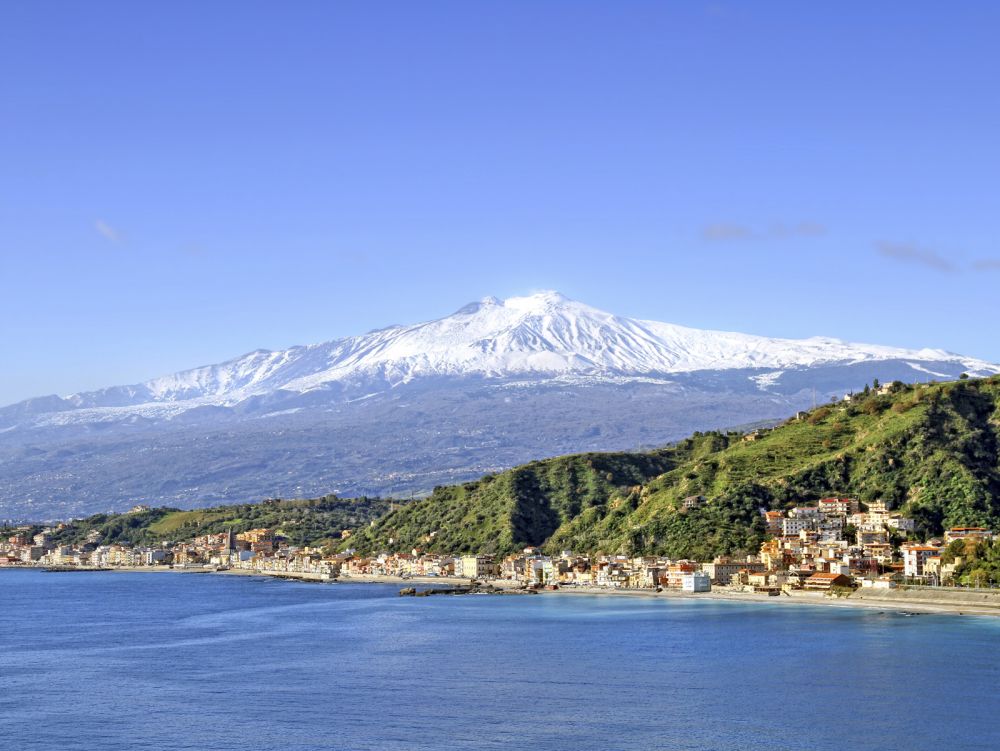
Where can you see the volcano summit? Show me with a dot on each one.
(401, 409)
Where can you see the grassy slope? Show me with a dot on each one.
(520, 507)
(301, 521)
(932, 451)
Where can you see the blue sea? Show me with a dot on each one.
(182, 661)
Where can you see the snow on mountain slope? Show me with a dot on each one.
(542, 335)
(547, 333)
(405, 408)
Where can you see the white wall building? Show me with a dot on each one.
(915, 556)
(792, 526)
(697, 581)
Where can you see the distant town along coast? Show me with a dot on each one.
(886, 495)
(807, 555)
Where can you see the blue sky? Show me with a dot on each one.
(183, 182)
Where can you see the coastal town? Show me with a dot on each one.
(834, 544)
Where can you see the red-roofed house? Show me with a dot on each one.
(967, 533)
(915, 556)
(823, 581)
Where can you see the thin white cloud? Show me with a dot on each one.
(725, 231)
(107, 231)
(910, 253)
(802, 229)
(722, 232)
(987, 264)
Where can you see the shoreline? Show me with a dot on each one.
(897, 601)
(897, 604)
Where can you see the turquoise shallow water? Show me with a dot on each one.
(171, 661)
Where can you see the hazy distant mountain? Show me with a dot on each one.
(404, 408)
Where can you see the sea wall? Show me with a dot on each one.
(978, 598)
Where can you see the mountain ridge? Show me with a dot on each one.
(930, 450)
(399, 410)
(545, 334)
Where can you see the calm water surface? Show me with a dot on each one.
(172, 661)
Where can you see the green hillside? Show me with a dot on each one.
(931, 450)
(523, 506)
(300, 521)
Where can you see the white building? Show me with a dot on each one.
(805, 512)
(901, 523)
(915, 556)
(878, 583)
(837, 506)
(791, 526)
(154, 557)
(697, 581)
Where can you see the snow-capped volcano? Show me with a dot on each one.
(542, 335)
(549, 334)
(493, 384)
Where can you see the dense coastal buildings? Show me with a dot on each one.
(834, 543)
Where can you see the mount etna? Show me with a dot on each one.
(402, 409)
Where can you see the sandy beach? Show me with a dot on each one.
(896, 601)
(897, 604)
(943, 602)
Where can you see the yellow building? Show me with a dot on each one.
(256, 535)
(479, 567)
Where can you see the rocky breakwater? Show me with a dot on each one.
(475, 588)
